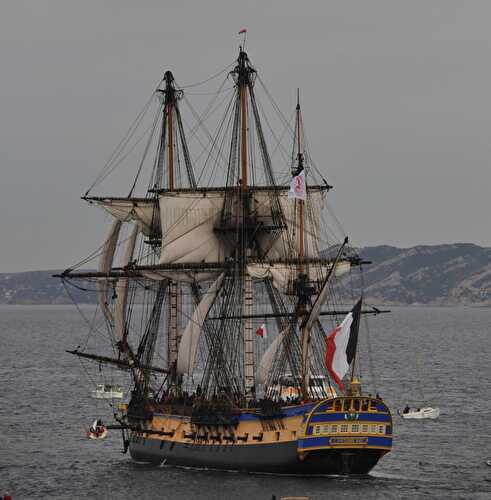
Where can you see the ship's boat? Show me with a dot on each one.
(97, 430)
(107, 391)
(419, 413)
(193, 265)
(422, 410)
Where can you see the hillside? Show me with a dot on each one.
(431, 274)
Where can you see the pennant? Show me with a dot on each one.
(341, 345)
(298, 188)
(261, 331)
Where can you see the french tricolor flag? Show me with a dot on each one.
(341, 345)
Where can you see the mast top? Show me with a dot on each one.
(243, 71)
(170, 93)
(300, 165)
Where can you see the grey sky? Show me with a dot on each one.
(395, 95)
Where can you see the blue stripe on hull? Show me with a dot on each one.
(366, 417)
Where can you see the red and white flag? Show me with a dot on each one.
(243, 30)
(341, 345)
(297, 187)
(261, 331)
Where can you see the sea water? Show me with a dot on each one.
(443, 354)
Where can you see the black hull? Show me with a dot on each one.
(278, 458)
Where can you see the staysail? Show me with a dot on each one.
(141, 210)
(107, 257)
(268, 357)
(189, 341)
(122, 287)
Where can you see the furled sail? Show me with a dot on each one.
(105, 264)
(268, 357)
(189, 341)
(283, 274)
(188, 223)
(141, 210)
(122, 288)
(182, 276)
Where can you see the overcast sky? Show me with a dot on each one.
(395, 95)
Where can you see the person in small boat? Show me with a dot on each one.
(97, 427)
(406, 409)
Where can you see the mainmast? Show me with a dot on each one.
(174, 310)
(243, 72)
(170, 98)
(243, 83)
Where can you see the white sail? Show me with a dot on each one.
(190, 219)
(188, 223)
(268, 357)
(283, 246)
(122, 287)
(144, 212)
(189, 341)
(105, 264)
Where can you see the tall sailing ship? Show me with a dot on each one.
(205, 269)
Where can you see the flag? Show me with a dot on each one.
(243, 30)
(341, 345)
(261, 331)
(297, 187)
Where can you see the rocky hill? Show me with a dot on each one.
(429, 274)
(39, 287)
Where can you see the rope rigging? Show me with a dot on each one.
(256, 221)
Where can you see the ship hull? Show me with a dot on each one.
(320, 438)
(278, 458)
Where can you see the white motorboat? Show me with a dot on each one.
(419, 413)
(107, 391)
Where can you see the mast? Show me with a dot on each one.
(243, 84)
(301, 232)
(301, 278)
(245, 249)
(174, 299)
(170, 100)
